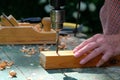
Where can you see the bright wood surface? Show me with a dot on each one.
(66, 59)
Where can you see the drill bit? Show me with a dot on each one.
(57, 41)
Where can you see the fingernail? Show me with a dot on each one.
(76, 54)
(82, 62)
(97, 65)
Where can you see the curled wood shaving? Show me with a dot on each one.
(12, 73)
(4, 64)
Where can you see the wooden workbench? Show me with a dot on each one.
(29, 67)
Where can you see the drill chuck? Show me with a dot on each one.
(57, 18)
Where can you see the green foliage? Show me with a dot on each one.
(87, 17)
(36, 8)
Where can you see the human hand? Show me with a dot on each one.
(108, 45)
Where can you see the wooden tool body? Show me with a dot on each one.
(12, 32)
(25, 35)
(66, 59)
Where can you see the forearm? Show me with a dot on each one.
(110, 17)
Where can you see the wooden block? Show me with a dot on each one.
(66, 59)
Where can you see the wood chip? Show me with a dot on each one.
(12, 73)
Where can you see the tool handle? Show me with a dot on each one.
(46, 24)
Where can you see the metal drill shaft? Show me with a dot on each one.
(57, 42)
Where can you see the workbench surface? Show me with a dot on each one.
(29, 68)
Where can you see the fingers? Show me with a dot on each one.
(105, 58)
(83, 44)
(86, 48)
(92, 39)
(92, 55)
(95, 53)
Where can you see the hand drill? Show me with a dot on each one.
(57, 16)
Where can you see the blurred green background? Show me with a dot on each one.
(89, 11)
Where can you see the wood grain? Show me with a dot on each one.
(4, 21)
(25, 35)
(13, 20)
(66, 59)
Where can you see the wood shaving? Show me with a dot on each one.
(62, 45)
(9, 64)
(24, 50)
(5, 64)
(31, 51)
(29, 78)
(42, 48)
(28, 51)
(12, 73)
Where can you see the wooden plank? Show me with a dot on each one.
(66, 59)
(28, 65)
